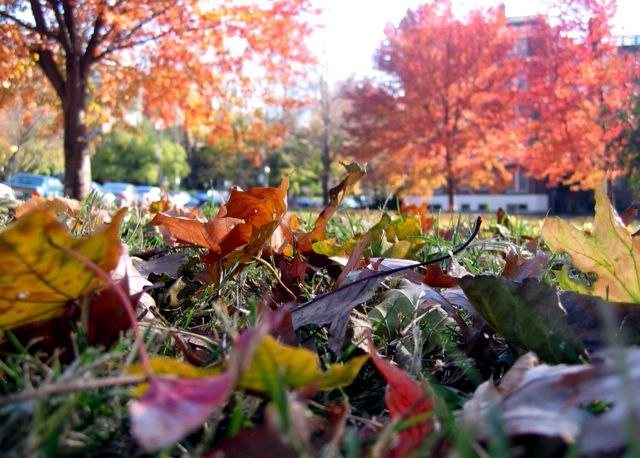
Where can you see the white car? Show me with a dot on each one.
(148, 194)
(179, 198)
(6, 192)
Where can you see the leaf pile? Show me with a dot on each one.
(254, 334)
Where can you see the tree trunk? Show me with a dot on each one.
(326, 169)
(77, 165)
(325, 100)
(451, 183)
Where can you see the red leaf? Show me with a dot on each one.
(405, 398)
(173, 407)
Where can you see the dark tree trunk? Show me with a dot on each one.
(451, 182)
(77, 166)
(70, 84)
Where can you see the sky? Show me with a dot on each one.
(353, 29)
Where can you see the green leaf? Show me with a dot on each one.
(610, 251)
(396, 309)
(528, 315)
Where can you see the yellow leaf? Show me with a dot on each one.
(342, 374)
(162, 365)
(297, 367)
(610, 251)
(38, 278)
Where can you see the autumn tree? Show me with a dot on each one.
(188, 59)
(444, 114)
(578, 83)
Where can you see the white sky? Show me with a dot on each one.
(353, 29)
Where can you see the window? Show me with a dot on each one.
(465, 207)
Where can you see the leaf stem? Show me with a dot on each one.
(124, 297)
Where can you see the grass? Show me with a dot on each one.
(94, 422)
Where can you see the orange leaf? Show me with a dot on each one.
(336, 195)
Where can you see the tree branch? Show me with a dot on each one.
(88, 56)
(63, 35)
(70, 25)
(38, 16)
(51, 71)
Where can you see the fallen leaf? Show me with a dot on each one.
(528, 315)
(336, 195)
(296, 367)
(172, 407)
(56, 205)
(437, 278)
(396, 309)
(592, 406)
(238, 232)
(38, 278)
(406, 398)
(517, 268)
(610, 251)
(194, 231)
(335, 306)
(168, 264)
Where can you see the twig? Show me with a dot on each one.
(276, 276)
(366, 421)
(85, 385)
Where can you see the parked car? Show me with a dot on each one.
(27, 185)
(125, 193)
(212, 195)
(148, 194)
(6, 192)
(305, 202)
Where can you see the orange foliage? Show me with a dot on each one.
(192, 61)
(445, 114)
(578, 81)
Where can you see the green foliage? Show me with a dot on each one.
(213, 166)
(133, 157)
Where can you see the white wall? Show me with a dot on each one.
(512, 203)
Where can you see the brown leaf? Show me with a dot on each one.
(629, 214)
(517, 268)
(57, 205)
